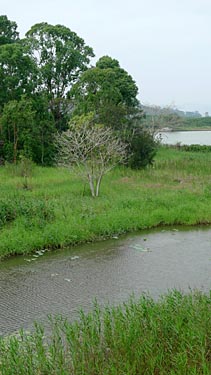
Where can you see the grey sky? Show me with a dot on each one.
(164, 44)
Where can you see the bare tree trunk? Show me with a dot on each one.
(91, 184)
(98, 185)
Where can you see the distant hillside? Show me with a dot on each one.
(202, 123)
(158, 118)
(157, 110)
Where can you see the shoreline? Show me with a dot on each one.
(185, 130)
(57, 213)
(110, 237)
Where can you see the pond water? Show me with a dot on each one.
(187, 137)
(62, 282)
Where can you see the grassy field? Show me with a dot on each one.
(58, 210)
(169, 337)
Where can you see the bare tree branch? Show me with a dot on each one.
(93, 149)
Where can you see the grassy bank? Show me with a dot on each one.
(58, 210)
(171, 336)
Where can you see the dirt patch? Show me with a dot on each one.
(126, 180)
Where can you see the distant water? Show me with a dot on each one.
(187, 137)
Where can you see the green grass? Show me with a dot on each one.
(58, 210)
(142, 337)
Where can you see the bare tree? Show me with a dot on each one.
(93, 149)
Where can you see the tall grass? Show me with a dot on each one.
(58, 209)
(141, 337)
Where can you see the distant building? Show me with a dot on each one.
(195, 114)
(164, 111)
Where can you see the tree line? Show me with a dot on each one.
(47, 84)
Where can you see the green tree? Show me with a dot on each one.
(17, 73)
(109, 91)
(123, 81)
(42, 141)
(8, 31)
(142, 149)
(27, 127)
(61, 55)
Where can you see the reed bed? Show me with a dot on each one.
(141, 337)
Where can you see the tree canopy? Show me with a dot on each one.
(108, 90)
(60, 54)
(18, 73)
(8, 31)
(46, 80)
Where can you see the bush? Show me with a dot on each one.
(142, 150)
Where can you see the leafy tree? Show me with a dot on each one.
(8, 31)
(28, 128)
(92, 148)
(42, 142)
(17, 73)
(123, 81)
(109, 91)
(61, 55)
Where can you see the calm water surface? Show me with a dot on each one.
(187, 137)
(63, 281)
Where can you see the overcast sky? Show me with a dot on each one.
(164, 44)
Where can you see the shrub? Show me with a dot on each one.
(142, 150)
(7, 212)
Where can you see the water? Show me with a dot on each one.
(64, 281)
(187, 137)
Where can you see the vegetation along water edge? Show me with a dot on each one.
(54, 207)
(168, 336)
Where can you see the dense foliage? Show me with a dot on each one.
(108, 90)
(46, 80)
(111, 93)
(36, 73)
(8, 31)
(142, 149)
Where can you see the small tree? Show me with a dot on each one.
(92, 148)
(142, 148)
